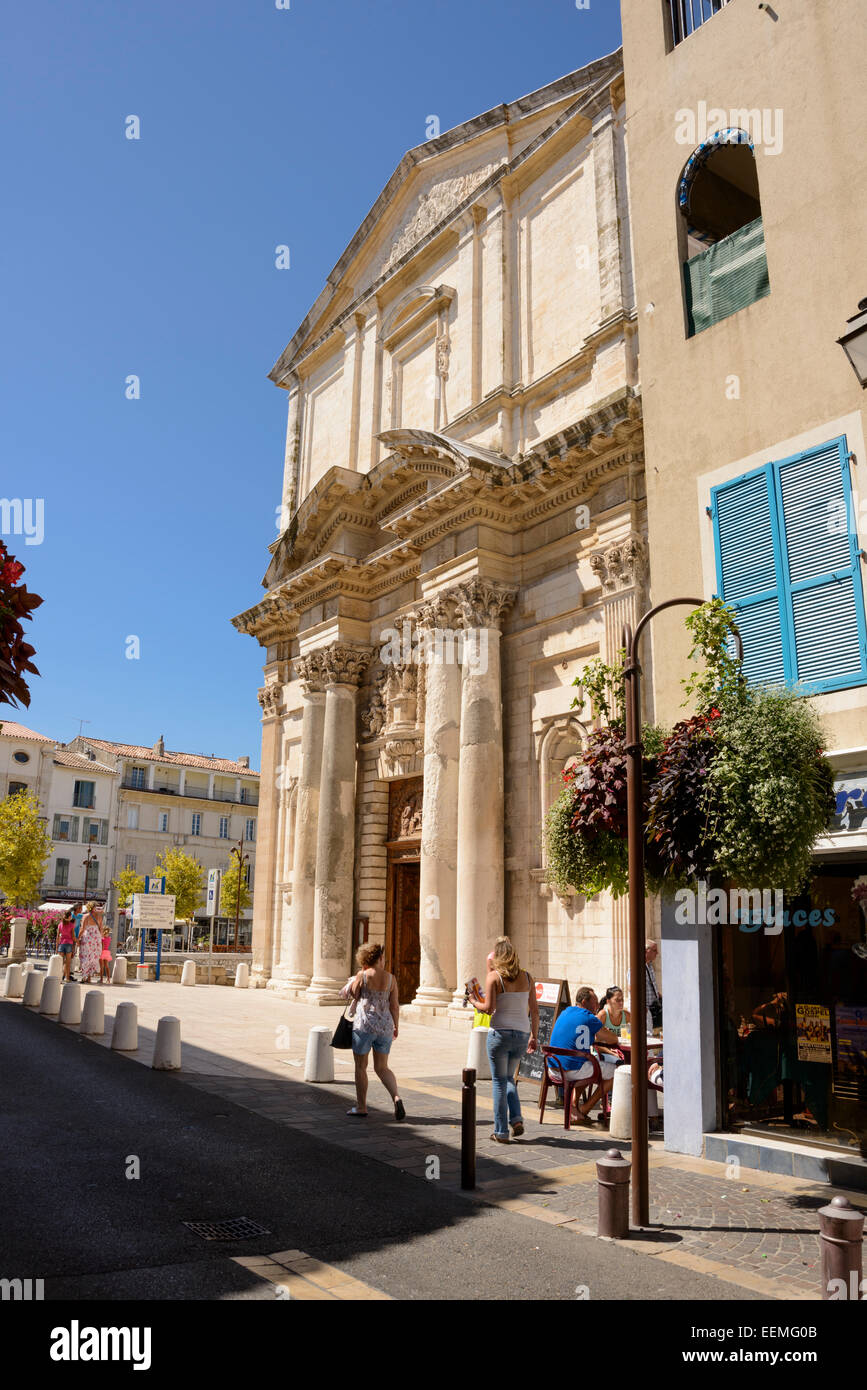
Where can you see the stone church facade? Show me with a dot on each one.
(462, 529)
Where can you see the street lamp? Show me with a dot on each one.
(854, 342)
(86, 863)
(635, 844)
(242, 859)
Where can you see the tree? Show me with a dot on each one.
(185, 877)
(15, 604)
(127, 883)
(235, 896)
(25, 847)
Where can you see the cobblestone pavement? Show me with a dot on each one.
(757, 1230)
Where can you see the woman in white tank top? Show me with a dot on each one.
(510, 999)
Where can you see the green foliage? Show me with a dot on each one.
(185, 877)
(604, 687)
(712, 627)
(235, 896)
(127, 883)
(25, 847)
(769, 790)
(577, 863)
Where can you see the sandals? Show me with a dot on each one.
(357, 1114)
(518, 1128)
(501, 1138)
(399, 1111)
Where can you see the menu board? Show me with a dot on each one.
(813, 1025)
(552, 997)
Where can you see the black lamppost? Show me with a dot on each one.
(238, 851)
(635, 833)
(86, 863)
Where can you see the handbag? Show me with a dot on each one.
(342, 1038)
(655, 1009)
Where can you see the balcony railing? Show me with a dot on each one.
(200, 794)
(689, 15)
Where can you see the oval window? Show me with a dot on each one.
(21, 757)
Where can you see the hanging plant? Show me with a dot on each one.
(680, 848)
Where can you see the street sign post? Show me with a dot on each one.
(153, 911)
(212, 907)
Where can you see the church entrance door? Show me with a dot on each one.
(403, 947)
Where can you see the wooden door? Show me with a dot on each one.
(406, 947)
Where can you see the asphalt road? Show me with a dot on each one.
(74, 1114)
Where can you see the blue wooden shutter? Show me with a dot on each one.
(826, 611)
(748, 571)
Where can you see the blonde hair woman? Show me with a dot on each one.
(374, 1025)
(510, 999)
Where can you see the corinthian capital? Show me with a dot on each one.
(345, 665)
(482, 602)
(621, 565)
(271, 700)
(311, 671)
(437, 612)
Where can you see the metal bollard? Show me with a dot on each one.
(468, 1128)
(841, 1227)
(612, 1175)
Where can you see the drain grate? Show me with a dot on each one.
(238, 1228)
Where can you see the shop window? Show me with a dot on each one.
(725, 267)
(787, 560)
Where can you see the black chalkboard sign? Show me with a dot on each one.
(553, 998)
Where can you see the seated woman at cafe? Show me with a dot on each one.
(612, 1014)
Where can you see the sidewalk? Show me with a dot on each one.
(757, 1231)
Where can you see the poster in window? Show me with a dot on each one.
(813, 1024)
(851, 1028)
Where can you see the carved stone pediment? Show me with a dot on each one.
(432, 205)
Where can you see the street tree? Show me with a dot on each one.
(185, 877)
(127, 883)
(235, 896)
(25, 847)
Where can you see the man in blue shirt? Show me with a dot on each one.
(578, 1028)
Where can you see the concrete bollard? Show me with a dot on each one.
(319, 1062)
(49, 1004)
(118, 974)
(28, 967)
(33, 989)
(242, 975)
(612, 1177)
(188, 974)
(143, 970)
(14, 985)
(167, 1049)
(93, 1014)
(124, 1035)
(841, 1228)
(477, 1053)
(620, 1126)
(70, 1003)
(55, 967)
(17, 949)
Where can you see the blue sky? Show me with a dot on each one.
(156, 258)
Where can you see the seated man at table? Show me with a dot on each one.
(578, 1028)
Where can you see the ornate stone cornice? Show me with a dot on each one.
(621, 565)
(482, 603)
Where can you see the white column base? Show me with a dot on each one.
(324, 991)
(432, 996)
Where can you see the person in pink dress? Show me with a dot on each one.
(66, 942)
(105, 956)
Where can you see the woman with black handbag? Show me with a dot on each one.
(374, 1025)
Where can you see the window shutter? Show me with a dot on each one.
(726, 277)
(103, 832)
(823, 566)
(55, 834)
(73, 829)
(748, 574)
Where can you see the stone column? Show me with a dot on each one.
(271, 700)
(480, 872)
(299, 957)
(439, 820)
(343, 667)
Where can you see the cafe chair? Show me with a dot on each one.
(554, 1075)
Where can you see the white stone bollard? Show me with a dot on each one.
(55, 967)
(319, 1063)
(70, 1003)
(477, 1056)
(188, 974)
(17, 950)
(242, 975)
(28, 967)
(118, 974)
(621, 1104)
(14, 986)
(124, 1035)
(167, 1049)
(33, 989)
(93, 1014)
(49, 1004)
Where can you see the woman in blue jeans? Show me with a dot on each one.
(510, 998)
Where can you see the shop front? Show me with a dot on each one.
(792, 1014)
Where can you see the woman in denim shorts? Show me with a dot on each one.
(374, 1026)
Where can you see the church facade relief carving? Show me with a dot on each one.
(459, 391)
